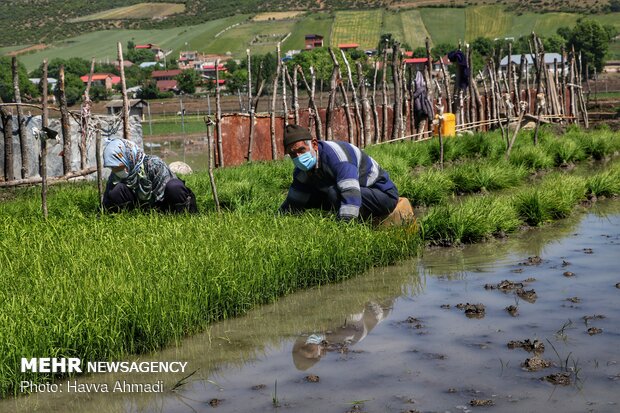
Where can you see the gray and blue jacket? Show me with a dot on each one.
(341, 165)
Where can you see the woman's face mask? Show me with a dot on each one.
(120, 172)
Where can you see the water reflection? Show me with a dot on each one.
(308, 350)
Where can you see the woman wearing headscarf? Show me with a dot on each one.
(142, 180)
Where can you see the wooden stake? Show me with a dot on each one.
(43, 138)
(21, 128)
(375, 114)
(272, 122)
(210, 161)
(397, 108)
(7, 126)
(218, 115)
(318, 127)
(295, 97)
(86, 105)
(64, 121)
(384, 94)
(99, 165)
(284, 103)
(367, 137)
(331, 104)
(356, 104)
(124, 92)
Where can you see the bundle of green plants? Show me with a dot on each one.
(486, 176)
(605, 183)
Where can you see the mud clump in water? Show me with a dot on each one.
(588, 251)
(214, 402)
(259, 387)
(447, 306)
(414, 322)
(505, 285)
(617, 285)
(562, 379)
(535, 363)
(528, 295)
(528, 345)
(472, 310)
(535, 260)
(565, 263)
(481, 402)
(517, 270)
(575, 300)
(594, 330)
(312, 378)
(513, 310)
(568, 274)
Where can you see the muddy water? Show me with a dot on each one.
(393, 340)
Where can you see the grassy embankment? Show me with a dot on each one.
(104, 286)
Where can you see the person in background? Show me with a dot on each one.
(140, 180)
(334, 175)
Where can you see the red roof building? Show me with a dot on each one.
(104, 79)
(165, 74)
(348, 46)
(166, 85)
(313, 40)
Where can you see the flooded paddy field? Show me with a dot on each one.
(526, 323)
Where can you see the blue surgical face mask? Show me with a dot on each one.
(122, 174)
(305, 161)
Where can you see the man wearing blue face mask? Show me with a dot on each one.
(335, 175)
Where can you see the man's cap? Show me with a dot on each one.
(295, 133)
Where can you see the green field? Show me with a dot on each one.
(443, 25)
(414, 28)
(102, 45)
(361, 27)
(486, 21)
(135, 11)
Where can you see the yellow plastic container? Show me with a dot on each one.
(448, 126)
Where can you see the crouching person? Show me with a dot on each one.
(336, 176)
(140, 180)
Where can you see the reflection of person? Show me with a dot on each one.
(309, 350)
(142, 180)
(335, 175)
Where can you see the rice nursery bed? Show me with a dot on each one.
(101, 287)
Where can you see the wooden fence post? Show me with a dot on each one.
(21, 129)
(64, 121)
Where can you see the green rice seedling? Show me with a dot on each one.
(564, 151)
(564, 192)
(531, 157)
(593, 145)
(605, 183)
(427, 188)
(480, 145)
(530, 207)
(486, 176)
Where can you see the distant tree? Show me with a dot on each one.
(74, 88)
(237, 81)
(148, 90)
(592, 40)
(419, 52)
(130, 45)
(442, 49)
(614, 5)
(138, 56)
(386, 40)
(98, 93)
(26, 87)
(187, 81)
(483, 45)
(554, 43)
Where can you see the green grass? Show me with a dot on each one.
(361, 27)
(238, 39)
(486, 21)
(172, 127)
(414, 30)
(444, 25)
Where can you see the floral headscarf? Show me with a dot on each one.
(148, 175)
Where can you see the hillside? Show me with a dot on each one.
(44, 21)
